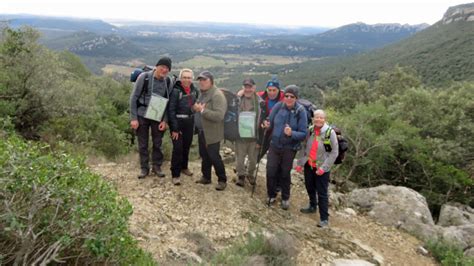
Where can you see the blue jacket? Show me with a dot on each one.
(296, 118)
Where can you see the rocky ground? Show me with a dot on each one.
(191, 222)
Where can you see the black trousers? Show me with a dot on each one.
(317, 188)
(181, 146)
(211, 157)
(143, 133)
(279, 164)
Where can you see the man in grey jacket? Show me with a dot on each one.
(154, 82)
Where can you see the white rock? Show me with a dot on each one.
(346, 262)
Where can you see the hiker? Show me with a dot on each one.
(181, 122)
(288, 124)
(157, 83)
(209, 115)
(317, 163)
(246, 145)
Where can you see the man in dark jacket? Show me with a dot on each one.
(288, 124)
(154, 82)
(181, 120)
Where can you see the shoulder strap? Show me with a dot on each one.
(145, 86)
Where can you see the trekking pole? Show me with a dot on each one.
(254, 185)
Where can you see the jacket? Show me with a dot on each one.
(180, 104)
(325, 160)
(296, 118)
(212, 118)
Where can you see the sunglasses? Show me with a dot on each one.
(290, 96)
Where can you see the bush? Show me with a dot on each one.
(254, 246)
(448, 254)
(55, 210)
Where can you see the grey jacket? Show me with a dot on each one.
(212, 118)
(324, 160)
(159, 87)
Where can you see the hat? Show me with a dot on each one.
(248, 81)
(164, 61)
(293, 89)
(274, 82)
(206, 75)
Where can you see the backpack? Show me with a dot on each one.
(135, 73)
(231, 127)
(310, 108)
(343, 144)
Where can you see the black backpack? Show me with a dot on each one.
(310, 108)
(231, 127)
(343, 144)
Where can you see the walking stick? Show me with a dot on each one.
(254, 185)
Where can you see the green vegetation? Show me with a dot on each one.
(405, 134)
(53, 97)
(448, 254)
(55, 210)
(253, 250)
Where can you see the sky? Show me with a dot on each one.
(265, 12)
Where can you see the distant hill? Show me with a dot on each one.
(441, 53)
(59, 23)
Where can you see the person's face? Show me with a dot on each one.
(319, 119)
(186, 79)
(272, 92)
(290, 99)
(162, 71)
(249, 90)
(205, 84)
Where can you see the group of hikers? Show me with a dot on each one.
(280, 129)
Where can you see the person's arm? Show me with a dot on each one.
(137, 91)
(219, 104)
(172, 110)
(302, 130)
(273, 113)
(329, 162)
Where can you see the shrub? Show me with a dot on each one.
(55, 210)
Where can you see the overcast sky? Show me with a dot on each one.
(270, 12)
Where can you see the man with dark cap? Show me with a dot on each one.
(209, 115)
(288, 124)
(246, 145)
(154, 82)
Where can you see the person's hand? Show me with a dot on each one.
(134, 124)
(162, 126)
(174, 135)
(320, 171)
(240, 93)
(299, 169)
(258, 146)
(266, 124)
(198, 107)
(287, 130)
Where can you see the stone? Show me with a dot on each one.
(347, 262)
(455, 215)
(400, 207)
(463, 235)
(350, 212)
(469, 252)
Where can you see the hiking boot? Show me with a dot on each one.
(285, 204)
(270, 201)
(221, 186)
(203, 181)
(323, 224)
(308, 209)
(251, 180)
(241, 181)
(176, 181)
(157, 171)
(187, 172)
(143, 173)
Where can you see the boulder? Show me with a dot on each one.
(469, 252)
(396, 206)
(463, 235)
(455, 215)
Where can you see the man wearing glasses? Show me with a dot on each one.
(288, 124)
